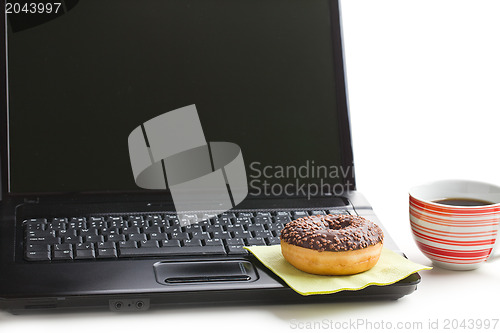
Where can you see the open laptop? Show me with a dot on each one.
(77, 228)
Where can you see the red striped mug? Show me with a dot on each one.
(455, 237)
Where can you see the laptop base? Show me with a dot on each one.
(138, 284)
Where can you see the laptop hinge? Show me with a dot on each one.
(32, 200)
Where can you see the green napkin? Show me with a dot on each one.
(390, 268)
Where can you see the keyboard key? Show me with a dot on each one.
(66, 233)
(212, 228)
(262, 233)
(275, 227)
(192, 228)
(276, 233)
(131, 230)
(211, 242)
(84, 246)
(118, 224)
(137, 237)
(207, 217)
(77, 220)
(236, 249)
(268, 214)
(59, 219)
(282, 219)
(98, 224)
(224, 221)
(255, 241)
(235, 242)
(338, 211)
(38, 247)
(156, 223)
(282, 214)
(317, 212)
(56, 226)
(227, 215)
(242, 221)
(235, 228)
(241, 234)
(115, 238)
(192, 242)
(158, 236)
(38, 255)
(245, 214)
(35, 226)
(114, 219)
(262, 219)
(171, 243)
(85, 254)
(43, 240)
(172, 222)
(133, 218)
(137, 221)
(94, 239)
(148, 243)
(152, 230)
(63, 255)
(179, 236)
(73, 239)
(172, 230)
(109, 231)
(171, 251)
(41, 233)
(192, 218)
(127, 244)
(258, 227)
(221, 235)
(299, 214)
(63, 247)
(106, 245)
(200, 235)
(273, 241)
(107, 253)
(154, 218)
(37, 220)
(77, 225)
(139, 224)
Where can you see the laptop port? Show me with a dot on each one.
(129, 305)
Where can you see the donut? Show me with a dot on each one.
(332, 244)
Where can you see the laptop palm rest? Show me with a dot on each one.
(206, 271)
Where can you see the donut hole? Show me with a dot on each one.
(338, 224)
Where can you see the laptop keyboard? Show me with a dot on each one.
(154, 235)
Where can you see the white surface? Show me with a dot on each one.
(424, 83)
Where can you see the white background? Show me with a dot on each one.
(424, 83)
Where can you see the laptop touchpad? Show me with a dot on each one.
(176, 272)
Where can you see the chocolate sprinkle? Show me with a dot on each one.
(336, 233)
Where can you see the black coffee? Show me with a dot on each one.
(463, 202)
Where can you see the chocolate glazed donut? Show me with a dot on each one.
(332, 244)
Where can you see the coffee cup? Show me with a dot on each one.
(455, 222)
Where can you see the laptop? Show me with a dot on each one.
(85, 83)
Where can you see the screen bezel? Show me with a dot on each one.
(348, 183)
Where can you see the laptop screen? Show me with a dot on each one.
(260, 73)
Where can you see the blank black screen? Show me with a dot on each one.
(260, 73)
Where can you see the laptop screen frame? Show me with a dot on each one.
(348, 182)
